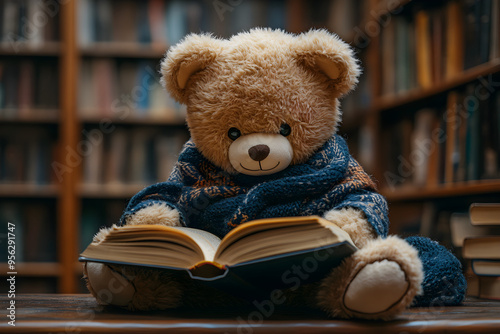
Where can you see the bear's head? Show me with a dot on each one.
(263, 99)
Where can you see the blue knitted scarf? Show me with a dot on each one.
(211, 199)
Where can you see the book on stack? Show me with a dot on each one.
(483, 250)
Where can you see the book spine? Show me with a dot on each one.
(124, 89)
(153, 152)
(423, 41)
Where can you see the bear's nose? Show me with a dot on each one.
(258, 152)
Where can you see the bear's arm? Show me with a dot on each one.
(157, 213)
(354, 222)
(362, 212)
(155, 204)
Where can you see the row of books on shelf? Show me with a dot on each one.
(28, 84)
(28, 21)
(124, 88)
(436, 146)
(477, 234)
(26, 155)
(160, 23)
(133, 156)
(435, 44)
(34, 230)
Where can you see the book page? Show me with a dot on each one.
(207, 241)
(146, 253)
(157, 245)
(269, 237)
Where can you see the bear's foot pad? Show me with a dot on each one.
(376, 288)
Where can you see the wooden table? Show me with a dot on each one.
(80, 314)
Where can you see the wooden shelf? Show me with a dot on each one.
(123, 50)
(33, 269)
(394, 102)
(451, 190)
(172, 119)
(42, 116)
(29, 190)
(124, 191)
(30, 49)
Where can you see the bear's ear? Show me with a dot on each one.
(322, 51)
(193, 54)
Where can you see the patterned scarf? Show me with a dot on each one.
(213, 200)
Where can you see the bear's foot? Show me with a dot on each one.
(376, 288)
(377, 282)
(133, 288)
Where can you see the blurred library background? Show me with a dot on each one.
(85, 122)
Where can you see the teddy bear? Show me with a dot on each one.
(263, 111)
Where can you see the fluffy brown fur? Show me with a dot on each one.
(354, 223)
(266, 71)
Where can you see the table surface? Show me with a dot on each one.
(80, 314)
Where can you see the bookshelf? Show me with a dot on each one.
(92, 190)
(464, 170)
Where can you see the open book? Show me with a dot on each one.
(262, 246)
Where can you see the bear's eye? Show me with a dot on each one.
(285, 129)
(233, 133)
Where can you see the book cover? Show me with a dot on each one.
(472, 141)
(421, 138)
(484, 248)
(389, 59)
(472, 11)
(452, 151)
(35, 32)
(485, 213)
(10, 21)
(485, 31)
(486, 267)
(126, 21)
(435, 162)
(104, 84)
(437, 44)
(143, 82)
(115, 157)
(403, 64)
(423, 49)
(102, 19)
(26, 87)
(276, 19)
(495, 30)
(47, 85)
(93, 167)
(156, 13)
(11, 82)
(489, 131)
(461, 228)
(142, 24)
(454, 48)
(87, 103)
(175, 20)
(86, 33)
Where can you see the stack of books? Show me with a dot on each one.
(484, 251)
